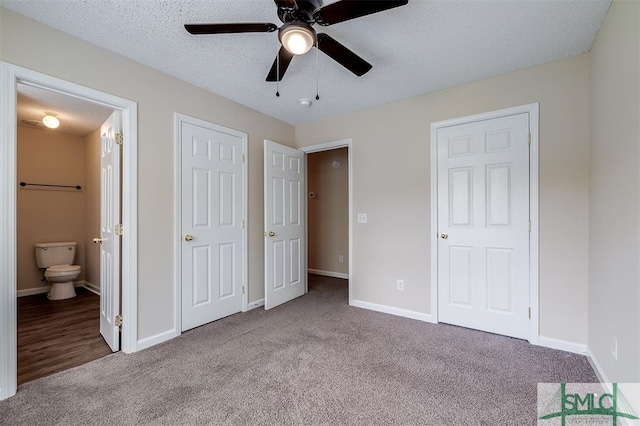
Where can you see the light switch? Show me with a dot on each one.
(362, 218)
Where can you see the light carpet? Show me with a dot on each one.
(312, 361)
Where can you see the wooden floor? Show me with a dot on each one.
(54, 335)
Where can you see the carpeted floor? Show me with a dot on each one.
(312, 361)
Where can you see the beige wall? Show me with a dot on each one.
(328, 211)
(29, 44)
(614, 208)
(92, 208)
(391, 184)
(48, 215)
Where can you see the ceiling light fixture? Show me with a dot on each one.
(304, 102)
(297, 37)
(50, 120)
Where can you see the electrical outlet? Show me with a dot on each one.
(341, 259)
(400, 285)
(362, 218)
(614, 348)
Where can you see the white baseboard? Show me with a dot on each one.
(255, 304)
(147, 342)
(602, 377)
(91, 287)
(328, 273)
(562, 345)
(391, 310)
(43, 289)
(34, 290)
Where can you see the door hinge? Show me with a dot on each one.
(529, 226)
(529, 313)
(118, 229)
(118, 321)
(119, 138)
(242, 223)
(242, 289)
(529, 138)
(243, 158)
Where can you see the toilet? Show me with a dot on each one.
(57, 261)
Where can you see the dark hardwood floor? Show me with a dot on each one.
(54, 335)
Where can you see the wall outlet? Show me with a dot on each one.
(400, 285)
(341, 259)
(362, 218)
(614, 348)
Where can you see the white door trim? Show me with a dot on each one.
(533, 111)
(177, 223)
(11, 75)
(345, 143)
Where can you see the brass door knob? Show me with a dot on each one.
(188, 237)
(272, 234)
(97, 240)
(444, 236)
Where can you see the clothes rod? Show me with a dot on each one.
(78, 187)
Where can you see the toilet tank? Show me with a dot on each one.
(49, 254)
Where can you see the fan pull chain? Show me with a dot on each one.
(278, 72)
(317, 74)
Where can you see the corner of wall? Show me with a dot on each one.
(614, 215)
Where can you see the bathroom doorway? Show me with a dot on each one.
(12, 76)
(58, 200)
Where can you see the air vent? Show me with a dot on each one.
(31, 123)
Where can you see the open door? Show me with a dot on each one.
(284, 224)
(109, 239)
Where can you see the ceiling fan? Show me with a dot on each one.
(297, 35)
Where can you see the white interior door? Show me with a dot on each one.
(110, 240)
(284, 223)
(483, 225)
(212, 204)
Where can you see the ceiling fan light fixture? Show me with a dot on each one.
(51, 121)
(297, 37)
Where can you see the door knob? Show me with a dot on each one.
(272, 234)
(188, 237)
(97, 240)
(444, 236)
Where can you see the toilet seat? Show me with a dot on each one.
(61, 270)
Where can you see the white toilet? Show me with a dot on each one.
(57, 259)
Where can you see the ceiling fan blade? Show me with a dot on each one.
(286, 4)
(279, 69)
(258, 27)
(342, 55)
(350, 9)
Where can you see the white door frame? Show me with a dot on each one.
(12, 75)
(533, 111)
(177, 223)
(345, 143)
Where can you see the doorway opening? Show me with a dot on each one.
(58, 200)
(329, 210)
(13, 75)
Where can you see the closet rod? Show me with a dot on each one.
(78, 187)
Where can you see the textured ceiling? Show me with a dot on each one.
(414, 49)
(77, 117)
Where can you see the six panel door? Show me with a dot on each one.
(110, 240)
(483, 225)
(285, 218)
(212, 231)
